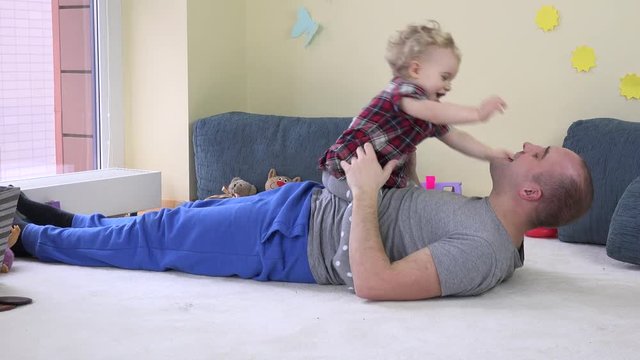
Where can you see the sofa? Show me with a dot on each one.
(611, 150)
(249, 145)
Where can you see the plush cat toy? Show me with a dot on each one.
(275, 181)
(236, 188)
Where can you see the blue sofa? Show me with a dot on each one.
(611, 149)
(249, 145)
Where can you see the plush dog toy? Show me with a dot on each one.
(236, 188)
(8, 255)
(275, 181)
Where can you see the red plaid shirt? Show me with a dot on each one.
(392, 132)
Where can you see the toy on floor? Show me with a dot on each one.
(456, 187)
(236, 188)
(431, 184)
(542, 232)
(7, 263)
(275, 181)
(11, 302)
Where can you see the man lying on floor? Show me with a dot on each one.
(395, 244)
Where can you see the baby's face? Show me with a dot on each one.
(435, 71)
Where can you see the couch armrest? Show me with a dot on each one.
(610, 149)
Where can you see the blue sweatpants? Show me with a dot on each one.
(262, 237)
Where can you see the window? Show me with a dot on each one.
(48, 92)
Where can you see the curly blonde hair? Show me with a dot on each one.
(411, 43)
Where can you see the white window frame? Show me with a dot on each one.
(109, 102)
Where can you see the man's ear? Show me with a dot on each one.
(414, 69)
(530, 192)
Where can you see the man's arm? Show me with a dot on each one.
(375, 277)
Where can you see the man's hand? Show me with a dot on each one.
(364, 173)
(489, 107)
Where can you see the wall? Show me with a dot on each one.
(216, 57)
(188, 59)
(503, 51)
(183, 60)
(156, 91)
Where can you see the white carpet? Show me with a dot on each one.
(568, 302)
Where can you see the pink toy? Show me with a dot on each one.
(430, 182)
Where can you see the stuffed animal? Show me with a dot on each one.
(236, 188)
(8, 255)
(275, 181)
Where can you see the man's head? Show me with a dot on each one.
(553, 183)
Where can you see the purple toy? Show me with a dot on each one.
(8, 261)
(9, 256)
(456, 187)
(431, 184)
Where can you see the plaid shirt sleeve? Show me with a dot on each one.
(407, 89)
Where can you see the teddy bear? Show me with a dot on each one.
(7, 262)
(236, 188)
(275, 181)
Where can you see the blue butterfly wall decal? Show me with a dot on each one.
(305, 25)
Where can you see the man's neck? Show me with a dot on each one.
(511, 218)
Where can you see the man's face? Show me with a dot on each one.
(534, 159)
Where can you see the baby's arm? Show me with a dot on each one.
(447, 113)
(468, 145)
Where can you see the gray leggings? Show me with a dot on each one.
(337, 187)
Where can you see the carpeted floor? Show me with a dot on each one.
(568, 302)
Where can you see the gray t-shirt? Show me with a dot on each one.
(471, 249)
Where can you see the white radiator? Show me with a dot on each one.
(108, 191)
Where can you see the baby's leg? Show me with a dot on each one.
(43, 214)
(337, 187)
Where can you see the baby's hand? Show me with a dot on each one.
(489, 107)
(501, 154)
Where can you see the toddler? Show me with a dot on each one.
(424, 61)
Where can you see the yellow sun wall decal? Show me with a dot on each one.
(630, 86)
(583, 58)
(547, 18)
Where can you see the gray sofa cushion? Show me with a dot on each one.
(624, 232)
(248, 145)
(610, 149)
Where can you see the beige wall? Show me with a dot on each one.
(183, 60)
(216, 51)
(156, 91)
(503, 53)
(246, 45)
